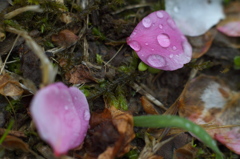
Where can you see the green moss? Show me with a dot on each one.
(99, 59)
(237, 60)
(12, 23)
(132, 154)
(121, 96)
(98, 34)
(13, 106)
(15, 66)
(202, 66)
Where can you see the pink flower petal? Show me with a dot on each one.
(61, 115)
(230, 139)
(230, 29)
(159, 43)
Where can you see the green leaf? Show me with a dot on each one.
(157, 121)
(237, 60)
(142, 66)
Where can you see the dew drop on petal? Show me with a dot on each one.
(146, 22)
(156, 60)
(135, 45)
(171, 55)
(160, 26)
(86, 115)
(159, 14)
(66, 107)
(163, 40)
(146, 44)
(171, 23)
(174, 48)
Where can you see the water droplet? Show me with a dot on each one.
(86, 115)
(159, 14)
(176, 9)
(160, 26)
(156, 60)
(171, 55)
(196, 129)
(146, 43)
(152, 49)
(146, 22)
(214, 143)
(187, 49)
(174, 48)
(135, 45)
(188, 125)
(171, 23)
(163, 40)
(66, 107)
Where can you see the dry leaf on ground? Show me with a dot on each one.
(80, 74)
(65, 38)
(110, 134)
(202, 43)
(10, 87)
(207, 100)
(188, 151)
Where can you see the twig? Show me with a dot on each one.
(48, 72)
(35, 8)
(131, 7)
(85, 43)
(2, 67)
(13, 132)
(194, 71)
(140, 90)
(114, 55)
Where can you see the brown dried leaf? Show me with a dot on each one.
(110, 134)
(207, 100)
(80, 74)
(186, 152)
(9, 86)
(229, 27)
(155, 157)
(124, 124)
(65, 38)
(202, 43)
(12, 143)
(148, 106)
(203, 99)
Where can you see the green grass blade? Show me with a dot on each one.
(7, 131)
(159, 121)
